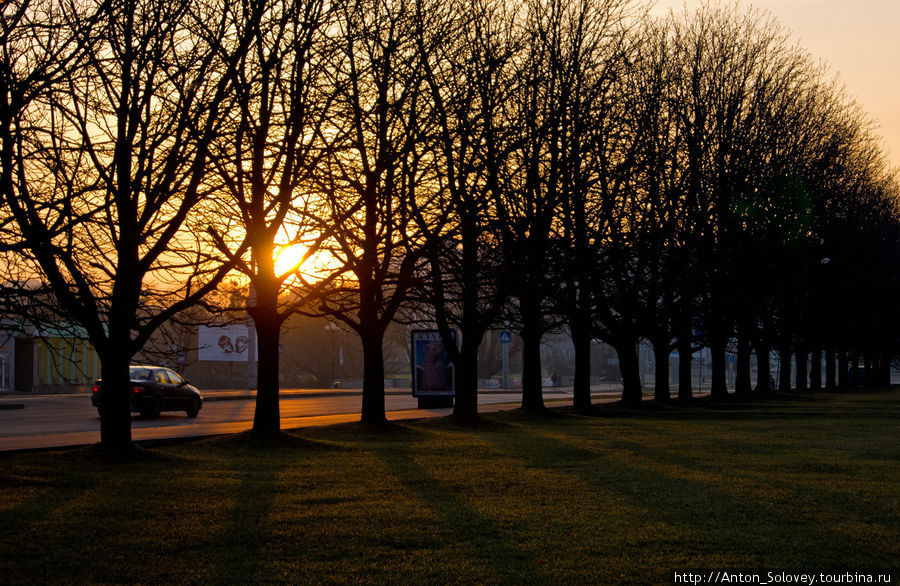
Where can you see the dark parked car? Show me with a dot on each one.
(155, 389)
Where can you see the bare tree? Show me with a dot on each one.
(527, 210)
(470, 81)
(372, 172)
(111, 159)
(589, 167)
(588, 45)
(41, 43)
(265, 162)
(727, 59)
(855, 231)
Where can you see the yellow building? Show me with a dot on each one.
(45, 359)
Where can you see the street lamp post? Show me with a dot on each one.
(251, 340)
(332, 328)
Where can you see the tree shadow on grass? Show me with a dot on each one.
(482, 423)
(367, 433)
(715, 525)
(246, 547)
(783, 407)
(133, 454)
(293, 443)
(484, 540)
(52, 493)
(243, 545)
(67, 520)
(61, 477)
(258, 463)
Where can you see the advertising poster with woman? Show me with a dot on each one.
(224, 343)
(432, 369)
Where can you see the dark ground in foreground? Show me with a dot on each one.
(803, 483)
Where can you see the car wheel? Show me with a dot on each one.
(151, 411)
(194, 408)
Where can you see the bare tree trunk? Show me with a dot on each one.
(581, 339)
(532, 391)
(115, 410)
(884, 378)
(830, 374)
(719, 388)
(815, 371)
(373, 376)
(763, 368)
(868, 370)
(742, 384)
(685, 358)
(854, 370)
(661, 392)
(531, 333)
(466, 402)
(632, 393)
(263, 309)
(466, 365)
(784, 370)
(843, 371)
(802, 371)
(267, 417)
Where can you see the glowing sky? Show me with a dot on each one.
(859, 39)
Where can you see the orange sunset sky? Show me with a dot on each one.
(859, 39)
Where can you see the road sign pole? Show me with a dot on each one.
(505, 337)
(505, 366)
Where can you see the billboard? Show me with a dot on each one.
(432, 371)
(224, 344)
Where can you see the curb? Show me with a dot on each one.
(233, 395)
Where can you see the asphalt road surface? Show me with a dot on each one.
(50, 421)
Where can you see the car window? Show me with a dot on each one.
(160, 377)
(174, 377)
(140, 374)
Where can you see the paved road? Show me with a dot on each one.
(70, 420)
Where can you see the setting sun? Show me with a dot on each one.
(290, 258)
(314, 267)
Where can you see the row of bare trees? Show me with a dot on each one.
(573, 164)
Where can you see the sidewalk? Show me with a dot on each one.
(208, 394)
(228, 394)
(233, 394)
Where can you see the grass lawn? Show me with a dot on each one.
(807, 483)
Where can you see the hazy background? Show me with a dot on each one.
(859, 39)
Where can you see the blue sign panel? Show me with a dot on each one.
(505, 336)
(432, 372)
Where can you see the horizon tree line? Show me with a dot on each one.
(579, 165)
